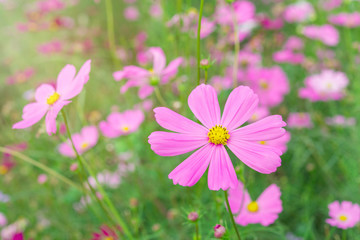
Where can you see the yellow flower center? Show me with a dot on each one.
(109, 238)
(3, 170)
(264, 85)
(253, 207)
(218, 135)
(125, 128)
(262, 142)
(53, 98)
(84, 145)
(343, 218)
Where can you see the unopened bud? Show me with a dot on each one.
(204, 62)
(193, 216)
(219, 231)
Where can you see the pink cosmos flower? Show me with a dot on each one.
(288, 56)
(294, 43)
(3, 220)
(207, 27)
(328, 85)
(325, 33)
(259, 114)
(216, 133)
(340, 120)
(50, 101)
(350, 20)
(298, 12)
(156, 10)
(265, 210)
(331, 4)
(83, 141)
(119, 124)
(131, 13)
(21, 76)
(105, 234)
(50, 47)
(243, 11)
(42, 178)
(146, 79)
(343, 215)
(270, 24)
(271, 84)
(47, 6)
(221, 83)
(299, 120)
(249, 59)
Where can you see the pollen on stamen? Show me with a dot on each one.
(253, 207)
(84, 145)
(218, 135)
(343, 218)
(53, 98)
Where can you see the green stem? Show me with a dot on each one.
(99, 186)
(198, 40)
(231, 215)
(40, 165)
(111, 33)
(343, 234)
(237, 48)
(206, 75)
(159, 96)
(197, 231)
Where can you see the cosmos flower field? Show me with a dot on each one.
(180, 119)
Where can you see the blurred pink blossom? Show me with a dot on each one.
(325, 33)
(131, 13)
(350, 20)
(343, 215)
(299, 12)
(21, 76)
(299, 120)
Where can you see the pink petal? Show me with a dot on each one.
(270, 205)
(50, 120)
(43, 92)
(119, 75)
(65, 78)
(221, 171)
(265, 129)
(145, 91)
(264, 159)
(204, 104)
(238, 198)
(32, 113)
(171, 70)
(172, 144)
(173, 121)
(66, 149)
(190, 171)
(90, 135)
(239, 107)
(158, 58)
(108, 131)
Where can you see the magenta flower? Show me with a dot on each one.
(50, 101)
(350, 20)
(106, 233)
(216, 133)
(21, 76)
(271, 84)
(265, 210)
(343, 215)
(146, 79)
(131, 13)
(119, 124)
(83, 141)
(299, 120)
(288, 56)
(328, 85)
(294, 43)
(325, 33)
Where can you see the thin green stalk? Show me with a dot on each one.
(159, 96)
(206, 75)
(111, 33)
(231, 215)
(40, 165)
(237, 48)
(197, 231)
(343, 234)
(198, 40)
(101, 189)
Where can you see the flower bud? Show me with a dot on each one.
(204, 62)
(219, 231)
(193, 216)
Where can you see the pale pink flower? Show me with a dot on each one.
(270, 24)
(325, 33)
(340, 120)
(328, 85)
(3, 220)
(299, 120)
(288, 56)
(298, 12)
(350, 20)
(343, 215)
(248, 59)
(219, 231)
(156, 10)
(221, 83)
(83, 141)
(50, 47)
(42, 178)
(21, 76)
(145, 79)
(265, 210)
(331, 4)
(218, 131)
(271, 84)
(243, 11)
(47, 6)
(50, 100)
(207, 27)
(118, 124)
(294, 43)
(131, 13)
(259, 114)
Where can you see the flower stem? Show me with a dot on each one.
(237, 48)
(231, 215)
(111, 33)
(206, 75)
(159, 96)
(198, 40)
(40, 165)
(197, 230)
(82, 162)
